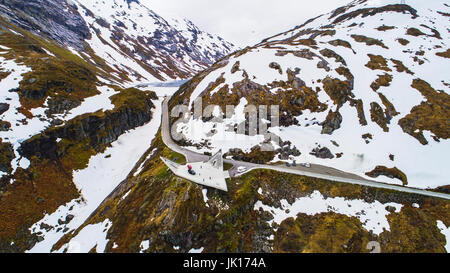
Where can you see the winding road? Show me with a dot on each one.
(316, 171)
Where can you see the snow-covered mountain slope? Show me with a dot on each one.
(364, 89)
(72, 125)
(124, 38)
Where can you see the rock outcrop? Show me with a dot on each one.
(58, 20)
(98, 129)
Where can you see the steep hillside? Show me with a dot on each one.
(121, 37)
(154, 211)
(264, 211)
(80, 149)
(364, 89)
(72, 126)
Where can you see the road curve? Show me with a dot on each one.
(322, 173)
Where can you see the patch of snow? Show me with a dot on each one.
(125, 195)
(139, 170)
(372, 215)
(94, 103)
(260, 191)
(98, 180)
(144, 245)
(198, 250)
(446, 231)
(89, 237)
(205, 196)
(19, 131)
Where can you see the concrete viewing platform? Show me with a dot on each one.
(209, 173)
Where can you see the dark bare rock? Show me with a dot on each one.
(276, 66)
(3, 108)
(332, 122)
(6, 156)
(287, 150)
(4, 126)
(323, 152)
(58, 20)
(97, 130)
(59, 105)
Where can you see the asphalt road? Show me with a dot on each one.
(316, 171)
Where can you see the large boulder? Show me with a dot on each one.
(3, 108)
(331, 123)
(323, 152)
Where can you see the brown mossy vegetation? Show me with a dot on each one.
(170, 211)
(292, 96)
(368, 41)
(92, 132)
(321, 233)
(40, 189)
(413, 231)
(367, 136)
(236, 67)
(47, 183)
(339, 42)
(331, 54)
(339, 91)
(6, 156)
(377, 62)
(56, 78)
(306, 42)
(4, 74)
(402, 41)
(4, 126)
(389, 172)
(359, 105)
(415, 32)
(385, 28)
(435, 34)
(389, 111)
(431, 115)
(383, 80)
(66, 75)
(400, 67)
(400, 8)
(377, 115)
(445, 54)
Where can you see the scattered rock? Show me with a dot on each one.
(3, 108)
(276, 66)
(322, 153)
(6, 156)
(4, 126)
(235, 67)
(331, 123)
(323, 65)
(60, 105)
(287, 150)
